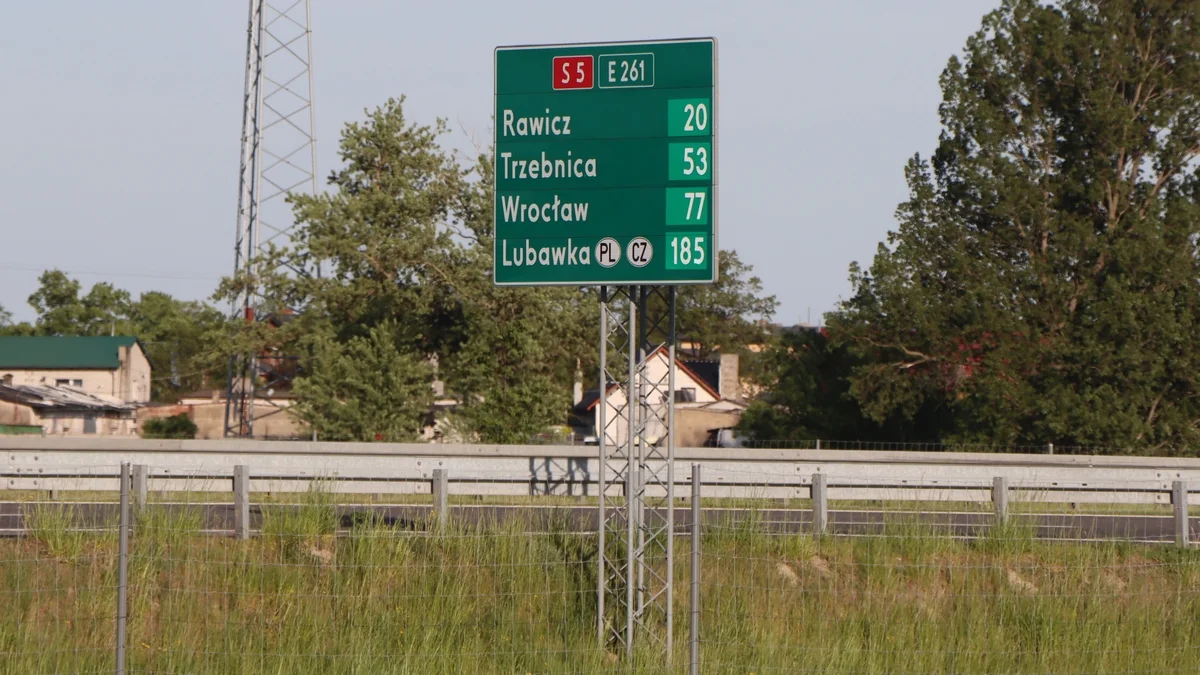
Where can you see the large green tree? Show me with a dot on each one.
(803, 378)
(1043, 283)
(517, 348)
(62, 310)
(367, 387)
(406, 234)
(729, 315)
(182, 339)
(386, 256)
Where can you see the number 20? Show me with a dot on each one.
(697, 117)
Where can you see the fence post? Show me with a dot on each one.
(441, 490)
(141, 479)
(1179, 498)
(1000, 499)
(123, 569)
(241, 501)
(820, 500)
(694, 643)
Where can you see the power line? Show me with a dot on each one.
(16, 267)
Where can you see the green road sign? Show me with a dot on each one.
(606, 163)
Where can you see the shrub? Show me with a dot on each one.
(176, 426)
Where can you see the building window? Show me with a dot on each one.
(77, 383)
(685, 395)
(6, 380)
(61, 383)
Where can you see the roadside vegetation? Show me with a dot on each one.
(394, 597)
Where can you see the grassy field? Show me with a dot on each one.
(388, 599)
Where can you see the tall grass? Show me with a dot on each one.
(58, 592)
(913, 600)
(318, 591)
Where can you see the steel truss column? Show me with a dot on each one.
(637, 453)
(617, 333)
(278, 157)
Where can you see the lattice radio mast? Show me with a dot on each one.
(279, 156)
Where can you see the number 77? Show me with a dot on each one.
(691, 197)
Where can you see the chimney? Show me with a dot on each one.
(577, 393)
(125, 372)
(730, 383)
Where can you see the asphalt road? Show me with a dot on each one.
(219, 519)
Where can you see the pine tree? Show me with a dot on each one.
(1042, 284)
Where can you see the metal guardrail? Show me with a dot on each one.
(65, 464)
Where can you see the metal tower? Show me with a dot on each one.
(637, 470)
(279, 156)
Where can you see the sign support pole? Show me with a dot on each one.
(637, 454)
(606, 158)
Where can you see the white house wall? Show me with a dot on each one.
(657, 395)
(102, 382)
(137, 384)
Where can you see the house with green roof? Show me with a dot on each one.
(109, 366)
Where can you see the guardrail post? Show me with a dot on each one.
(1049, 448)
(141, 479)
(694, 643)
(123, 570)
(1000, 499)
(1179, 498)
(241, 501)
(441, 492)
(820, 500)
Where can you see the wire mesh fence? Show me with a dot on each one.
(316, 587)
(963, 591)
(59, 589)
(319, 582)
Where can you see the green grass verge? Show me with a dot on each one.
(389, 598)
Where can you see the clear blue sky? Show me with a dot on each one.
(119, 121)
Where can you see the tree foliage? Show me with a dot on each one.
(804, 377)
(726, 316)
(406, 234)
(366, 388)
(182, 339)
(1042, 284)
(62, 311)
(514, 360)
(175, 426)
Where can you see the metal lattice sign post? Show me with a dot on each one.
(606, 174)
